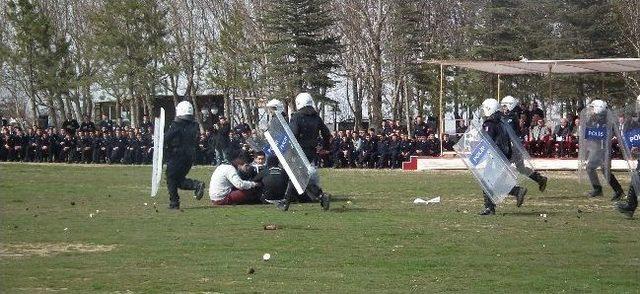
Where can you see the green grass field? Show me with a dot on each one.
(374, 239)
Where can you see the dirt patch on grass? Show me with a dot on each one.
(48, 249)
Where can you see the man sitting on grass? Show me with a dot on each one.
(226, 186)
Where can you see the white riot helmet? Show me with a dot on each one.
(489, 107)
(184, 109)
(598, 106)
(303, 99)
(509, 102)
(276, 105)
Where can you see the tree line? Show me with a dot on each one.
(56, 56)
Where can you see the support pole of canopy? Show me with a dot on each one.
(441, 118)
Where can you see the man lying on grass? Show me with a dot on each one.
(226, 186)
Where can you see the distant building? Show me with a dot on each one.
(211, 106)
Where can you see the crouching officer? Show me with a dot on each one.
(274, 182)
(181, 140)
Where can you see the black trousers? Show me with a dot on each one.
(632, 197)
(177, 169)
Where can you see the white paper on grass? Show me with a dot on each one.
(430, 201)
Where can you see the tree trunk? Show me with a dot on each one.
(357, 100)
(376, 97)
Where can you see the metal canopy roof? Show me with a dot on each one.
(571, 66)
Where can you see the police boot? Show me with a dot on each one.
(626, 209)
(288, 197)
(174, 205)
(597, 191)
(489, 207)
(540, 179)
(315, 193)
(174, 202)
(520, 193)
(199, 191)
(488, 211)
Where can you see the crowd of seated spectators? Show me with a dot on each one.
(112, 142)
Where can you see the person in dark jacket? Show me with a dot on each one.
(307, 126)
(117, 147)
(71, 125)
(382, 152)
(181, 140)
(222, 140)
(509, 116)
(87, 125)
(492, 126)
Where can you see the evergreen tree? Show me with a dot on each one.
(301, 47)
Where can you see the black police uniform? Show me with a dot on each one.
(180, 140)
(307, 126)
(87, 126)
(382, 153)
(274, 181)
(492, 126)
(510, 120)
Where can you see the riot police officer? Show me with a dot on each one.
(180, 140)
(492, 126)
(631, 128)
(510, 115)
(307, 126)
(599, 150)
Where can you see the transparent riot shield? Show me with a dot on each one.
(628, 133)
(486, 162)
(259, 143)
(158, 150)
(596, 131)
(289, 153)
(519, 155)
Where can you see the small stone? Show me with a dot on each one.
(270, 227)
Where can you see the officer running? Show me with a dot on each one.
(492, 126)
(181, 140)
(307, 126)
(511, 111)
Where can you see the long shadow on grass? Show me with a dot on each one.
(353, 209)
(526, 213)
